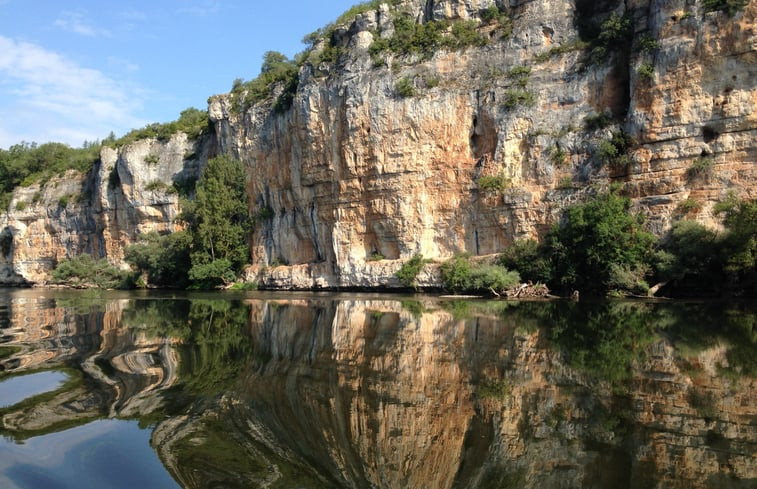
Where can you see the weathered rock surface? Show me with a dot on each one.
(128, 192)
(354, 171)
(360, 178)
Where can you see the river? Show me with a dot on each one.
(248, 389)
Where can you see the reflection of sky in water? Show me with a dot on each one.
(17, 389)
(101, 454)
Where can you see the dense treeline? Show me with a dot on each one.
(28, 163)
(25, 163)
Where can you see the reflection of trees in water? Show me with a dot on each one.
(320, 392)
(214, 344)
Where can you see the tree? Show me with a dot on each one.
(162, 259)
(600, 245)
(218, 222)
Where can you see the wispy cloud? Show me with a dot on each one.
(46, 97)
(76, 21)
(202, 9)
(132, 15)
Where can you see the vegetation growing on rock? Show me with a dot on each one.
(27, 163)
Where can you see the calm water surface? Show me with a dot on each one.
(156, 390)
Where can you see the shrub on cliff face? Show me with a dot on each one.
(28, 163)
(728, 6)
(409, 270)
(193, 122)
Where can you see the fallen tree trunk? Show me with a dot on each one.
(527, 291)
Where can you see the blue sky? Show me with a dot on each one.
(72, 71)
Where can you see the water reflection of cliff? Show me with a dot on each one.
(113, 371)
(374, 394)
(321, 392)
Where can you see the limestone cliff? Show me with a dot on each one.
(382, 155)
(128, 192)
(356, 170)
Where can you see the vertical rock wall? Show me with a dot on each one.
(354, 172)
(127, 193)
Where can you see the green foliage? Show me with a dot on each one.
(185, 186)
(557, 155)
(276, 70)
(704, 402)
(425, 39)
(210, 274)
(603, 339)
(565, 183)
(21, 205)
(498, 390)
(494, 183)
(646, 71)
(529, 259)
(648, 44)
(691, 257)
(594, 122)
(160, 186)
(64, 200)
(728, 6)
(85, 271)
(405, 87)
(162, 259)
(409, 270)
(496, 15)
(701, 168)
(516, 97)
(595, 240)
(431, 81)
(613, 151)
(460, 274)
(152, 159)
(689, 205)
(218, 222)
(740, 243)
(561, 49)
(28, 163)
(193, 122)
(614, 33)
(375, 257)
(244, 286)
(520, 74)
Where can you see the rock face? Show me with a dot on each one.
(128, 192)
(379, 159)
(355, 171)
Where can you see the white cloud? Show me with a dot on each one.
(76, 21)
(47, 97)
